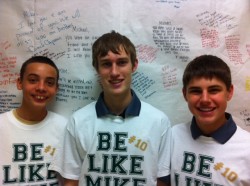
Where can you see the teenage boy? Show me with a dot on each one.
(118, 139)
(211, 149)
(30, 133)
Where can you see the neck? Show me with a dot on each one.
(117, 104)
(30, 114)
(209, 129)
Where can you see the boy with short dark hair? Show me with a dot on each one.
(211, 149)
(118, 139)
(30, 133)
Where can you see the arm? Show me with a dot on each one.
(161, 183)
(165, 156)
(67, 160)
(68, 182)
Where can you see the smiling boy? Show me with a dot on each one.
(118, 139)
(211, 149)
(30, 133)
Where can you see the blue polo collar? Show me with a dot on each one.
(222, 135)
(133, 108)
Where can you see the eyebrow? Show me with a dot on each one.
(197, 87)
(32, 74)
(39, 76)
(193, 88)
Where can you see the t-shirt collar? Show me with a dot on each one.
(133, 108)
(222, 135)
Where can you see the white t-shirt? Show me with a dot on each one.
(113, 150)
(204, 161)
(26, 150)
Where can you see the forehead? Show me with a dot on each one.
(205, 82)
(121, 53)
(40, 69)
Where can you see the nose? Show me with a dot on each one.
(205, 96)
(41, 86)
(114, 70)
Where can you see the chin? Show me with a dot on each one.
(41, 104)
(206, 121)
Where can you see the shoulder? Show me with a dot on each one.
(181, 128)
(82, 119)
(150, 109)
(241, 137)
(86, 110)
(56, 118)
(242, 133)
(6, 115)
(181, 133)
(147, 110)
(85, 113)
(153, 115)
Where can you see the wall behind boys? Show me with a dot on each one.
(167, 35)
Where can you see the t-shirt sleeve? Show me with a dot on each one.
(67, 160)
(164, 150)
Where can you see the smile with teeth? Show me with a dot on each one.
(115, 81)
(206, 109)
(40, 97)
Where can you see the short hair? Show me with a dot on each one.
(38, 59)
(207, 66)
(113, 42)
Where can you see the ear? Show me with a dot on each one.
(184, 93)
(135, 65)
(230, 93)
(19, 84)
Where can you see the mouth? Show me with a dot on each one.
(40, 98)
(206, 109)
(115, 82)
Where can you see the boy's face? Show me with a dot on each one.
(115, 72)
(207, 101)
(39, 85)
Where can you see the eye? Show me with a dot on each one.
(214, 90)
(194, 91)
(106, 64)
(51, 82)
(32, 80)
(122, 63)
